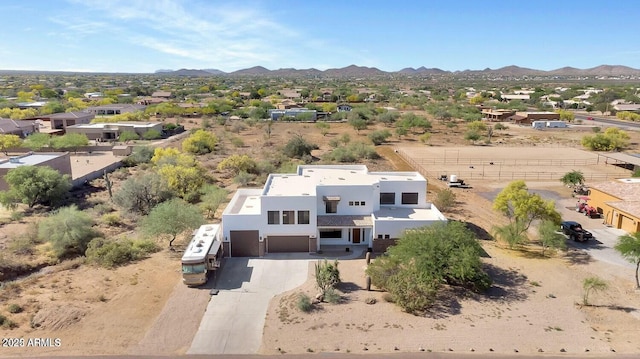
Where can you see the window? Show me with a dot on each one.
(193, 268)
(387, 198)
(303, 217)
(386, 236)
(410, 198)
(331, 233)
(273, 217)
(288, 217)
(379, 236)
(357, 203)
(331, 206)
(351, 203)
(362, 203)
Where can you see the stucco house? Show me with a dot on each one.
(110, 131)
(22, 128)
(59, 161)
(619, 203)
(326, 205)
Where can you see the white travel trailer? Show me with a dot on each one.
(203, 255)
(538, 125)
(556, 124)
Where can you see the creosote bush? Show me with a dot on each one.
(304, 303)
(110, 253)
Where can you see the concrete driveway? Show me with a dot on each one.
(234, 319)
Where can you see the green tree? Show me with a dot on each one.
(237, 164)
(69, 230)
(127, 136)
(357, 123)
(522, 208)
(184, 181)
(34, 185)
(573, 178)
(477, 126)
(213, 197)
(379, 137)
(472, 136)
(629, 247)
(8, 142)
(70, 141)
(297, 147)
(171, 218)
(200, 142)
(445, 199)
(425, 259)
(613, 139)
(140, 193)
(590, 284)
(549, 236)
(36, 141)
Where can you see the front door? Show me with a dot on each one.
(356, 235)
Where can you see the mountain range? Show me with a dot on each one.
(362, 71)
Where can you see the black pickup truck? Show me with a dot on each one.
(575, 231)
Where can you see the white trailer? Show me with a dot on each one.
(556, 124)
(203, 254)
(538, 125)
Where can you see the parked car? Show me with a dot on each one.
(574, 231)
(590, 118)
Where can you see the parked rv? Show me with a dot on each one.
(556, 124)
(538, 125)
(203, 255)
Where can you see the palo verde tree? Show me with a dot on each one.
(34, 185)
(9, 141)
(70, 141)
(573, 178)
(200, 142)
(549, 236)
(172, 218)
(140, 193)
(592, 284)
(629, 247)
(521, 208)
(425, 259)
(37, 141)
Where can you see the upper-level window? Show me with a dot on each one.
(288, 217)
(409, 197)
(273, 217)
(331, 206)
(303, 217)
(387, 198)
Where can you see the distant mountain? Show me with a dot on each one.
(163, 71)
(215, 71)
(609, 70)
(354, 71)
(253, 71)
(187, 72)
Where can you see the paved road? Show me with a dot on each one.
(617, 123)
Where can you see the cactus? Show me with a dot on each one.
(108, 182)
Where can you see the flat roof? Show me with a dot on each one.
(244, 201)
(345, 221)
(101, 125)
(29, 159)
(404, 213)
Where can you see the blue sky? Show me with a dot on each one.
(147, 35)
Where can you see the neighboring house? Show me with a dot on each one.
(162, 94)
(327, 205)
(58, 161)
(515, 97)
(293, 112)
(287, 104)
(115, 109)
(619, 203)
(112, 130)
(526, 118)
(22, 128)
(27, 105)
(60, 121)
(627, 107)
(291, 94)
(344, 108)
(497, 115)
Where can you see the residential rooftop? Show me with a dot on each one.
(101, 125)
(30, 159)
(408, 214)
(627, 189)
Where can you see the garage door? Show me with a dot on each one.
(627, 224)
(244, 244)
(285, 244)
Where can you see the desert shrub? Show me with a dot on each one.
(332, 296)
(140, 154)
(237, 127)
(304, 303)
(243, 178)
(200, 142)
(298, 147)
(111, 219)
(334, 142)
(102, 208)
(237, 142)
(388, 297)
(109, 253)
(327, 275)
(152, 135)
(7, 323)
(237, 164)
(500, 126)
(16, 216)
(72, 237)
(352, 152)
(379, 137)
(445, 199)
(425, 137)
(141, 193)
(14, 308)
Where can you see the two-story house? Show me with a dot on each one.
(327, 205)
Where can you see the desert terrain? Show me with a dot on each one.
(143, 308)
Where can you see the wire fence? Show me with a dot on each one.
(493, 170)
